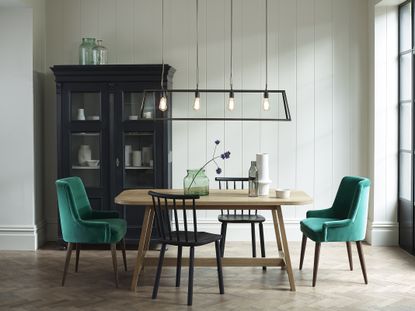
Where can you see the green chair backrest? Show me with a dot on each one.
(352, 198)
(73, 203)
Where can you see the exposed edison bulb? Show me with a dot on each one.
(196, 104)
(265, 101)
(231, 103)
(163, 103)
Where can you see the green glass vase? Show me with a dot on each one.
(196, 183)
(86, 50)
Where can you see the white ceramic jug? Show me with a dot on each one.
(84, 154)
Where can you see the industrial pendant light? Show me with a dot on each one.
(265, 100)
(231, 103)
(196, 104)
(163, 98)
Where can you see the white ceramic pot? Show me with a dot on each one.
(127, 159)
(137, 158)
(84, 154)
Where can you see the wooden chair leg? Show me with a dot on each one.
(362, 259)
(223, 240)
(316, 259)
(262, 241)
(114, 262)
(179, 265)
(158, 274)
(303, 246)
(349, 254)
(67, 260)
(78, 250)
(191, 270)
(219, 265)
(124, 256)
(253, 240)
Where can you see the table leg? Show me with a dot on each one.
(277, 230)
(144, 240)
(285, 246)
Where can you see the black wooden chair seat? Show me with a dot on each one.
(201, 238)
(241, 219)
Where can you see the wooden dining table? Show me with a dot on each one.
(217, 200)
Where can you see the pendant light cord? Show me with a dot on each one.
(197, 44)
(266, 45)
(162, 46)
(231, 58)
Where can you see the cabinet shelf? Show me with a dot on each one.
(79, 167)
(139, 167)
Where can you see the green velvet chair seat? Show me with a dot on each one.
(313, 228)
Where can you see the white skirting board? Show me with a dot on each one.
(22, 237)
(382, 233)
(378, 234)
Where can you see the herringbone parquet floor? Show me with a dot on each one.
(31, 281)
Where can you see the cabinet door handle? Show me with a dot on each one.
(117, 162)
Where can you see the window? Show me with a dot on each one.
(406, 126)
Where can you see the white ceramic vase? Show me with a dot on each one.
(127, 160)
(81, 114)
(84, 154)
(262, 162)
(137, 158)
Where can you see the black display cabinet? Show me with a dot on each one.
(107, 134)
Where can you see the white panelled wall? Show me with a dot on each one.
(318, 53)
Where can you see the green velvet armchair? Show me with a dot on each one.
(82, 225)
(345, 221)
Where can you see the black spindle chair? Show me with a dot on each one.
(236, 216)
(170, 233)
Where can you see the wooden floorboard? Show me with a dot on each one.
(31, 281)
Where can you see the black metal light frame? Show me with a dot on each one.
(224, 91)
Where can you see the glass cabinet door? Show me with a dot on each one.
(85, 158)
(138, 160)
(138, 105)
(85, 106)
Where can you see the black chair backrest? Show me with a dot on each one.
(168, 230)
(235, 183)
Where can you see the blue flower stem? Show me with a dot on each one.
(213, 159)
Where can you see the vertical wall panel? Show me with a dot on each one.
(341, 90)
(89, 18)
(217, 43)
(124, 15)
(287, 64)
(305, 100)
(107, 27)
(71, 31)
(323, 182)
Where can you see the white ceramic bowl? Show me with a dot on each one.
(94, 118)
(92, 163)
(282, 193)
(132, 117)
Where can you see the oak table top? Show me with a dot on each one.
(217, 198)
